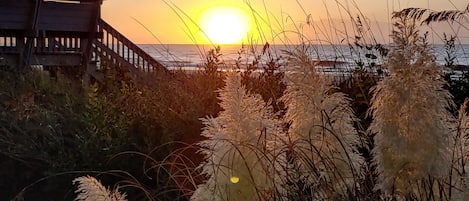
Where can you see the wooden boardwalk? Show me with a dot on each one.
(65, 33)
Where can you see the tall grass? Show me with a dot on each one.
(411, 119)
(290, 135)
(412, 128)
(90, 189)
(323, 139)
(240, 149)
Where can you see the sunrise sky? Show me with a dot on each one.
(173, 21)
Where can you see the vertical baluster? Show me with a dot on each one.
(50, 43)
(112, 37)
(107, 39)
(118, 47)
(128, 54)
(138, 61)
(69, 45)
(123, 51)
(62, 44)
(43, 44)
(76, 46)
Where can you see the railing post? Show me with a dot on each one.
(33, 33)
(88, 47)
(120, 51)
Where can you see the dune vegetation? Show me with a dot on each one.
(392, 131)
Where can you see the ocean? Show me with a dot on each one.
(194, 56)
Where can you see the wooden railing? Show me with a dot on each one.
(42, 45)
(8, 44)
(116, 48)
(109, 46)
(57, 45)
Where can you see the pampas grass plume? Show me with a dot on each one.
(239, 150)
(90, 189)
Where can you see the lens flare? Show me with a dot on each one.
(234, 179)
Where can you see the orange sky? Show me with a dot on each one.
(162, 17)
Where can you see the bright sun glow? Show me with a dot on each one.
(224, 25)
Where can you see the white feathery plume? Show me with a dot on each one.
(240, 147)
(461, 155)
(410, 116)
(321, 129)
(90, 189)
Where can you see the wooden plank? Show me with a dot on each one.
(8, 11)
(16, 3)
(66, 11)
(64, 27)
(70, 34)
(15, 14)
(65, 17)
(8, 50)
(71, 9)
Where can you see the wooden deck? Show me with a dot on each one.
(65, 33)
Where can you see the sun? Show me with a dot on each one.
(224, 25)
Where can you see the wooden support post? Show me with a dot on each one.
(20, 47)
(33, 33)
(87, 64)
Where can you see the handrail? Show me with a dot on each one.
(111, 56)
(110, 45)
(125, 49)
(61, 44)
